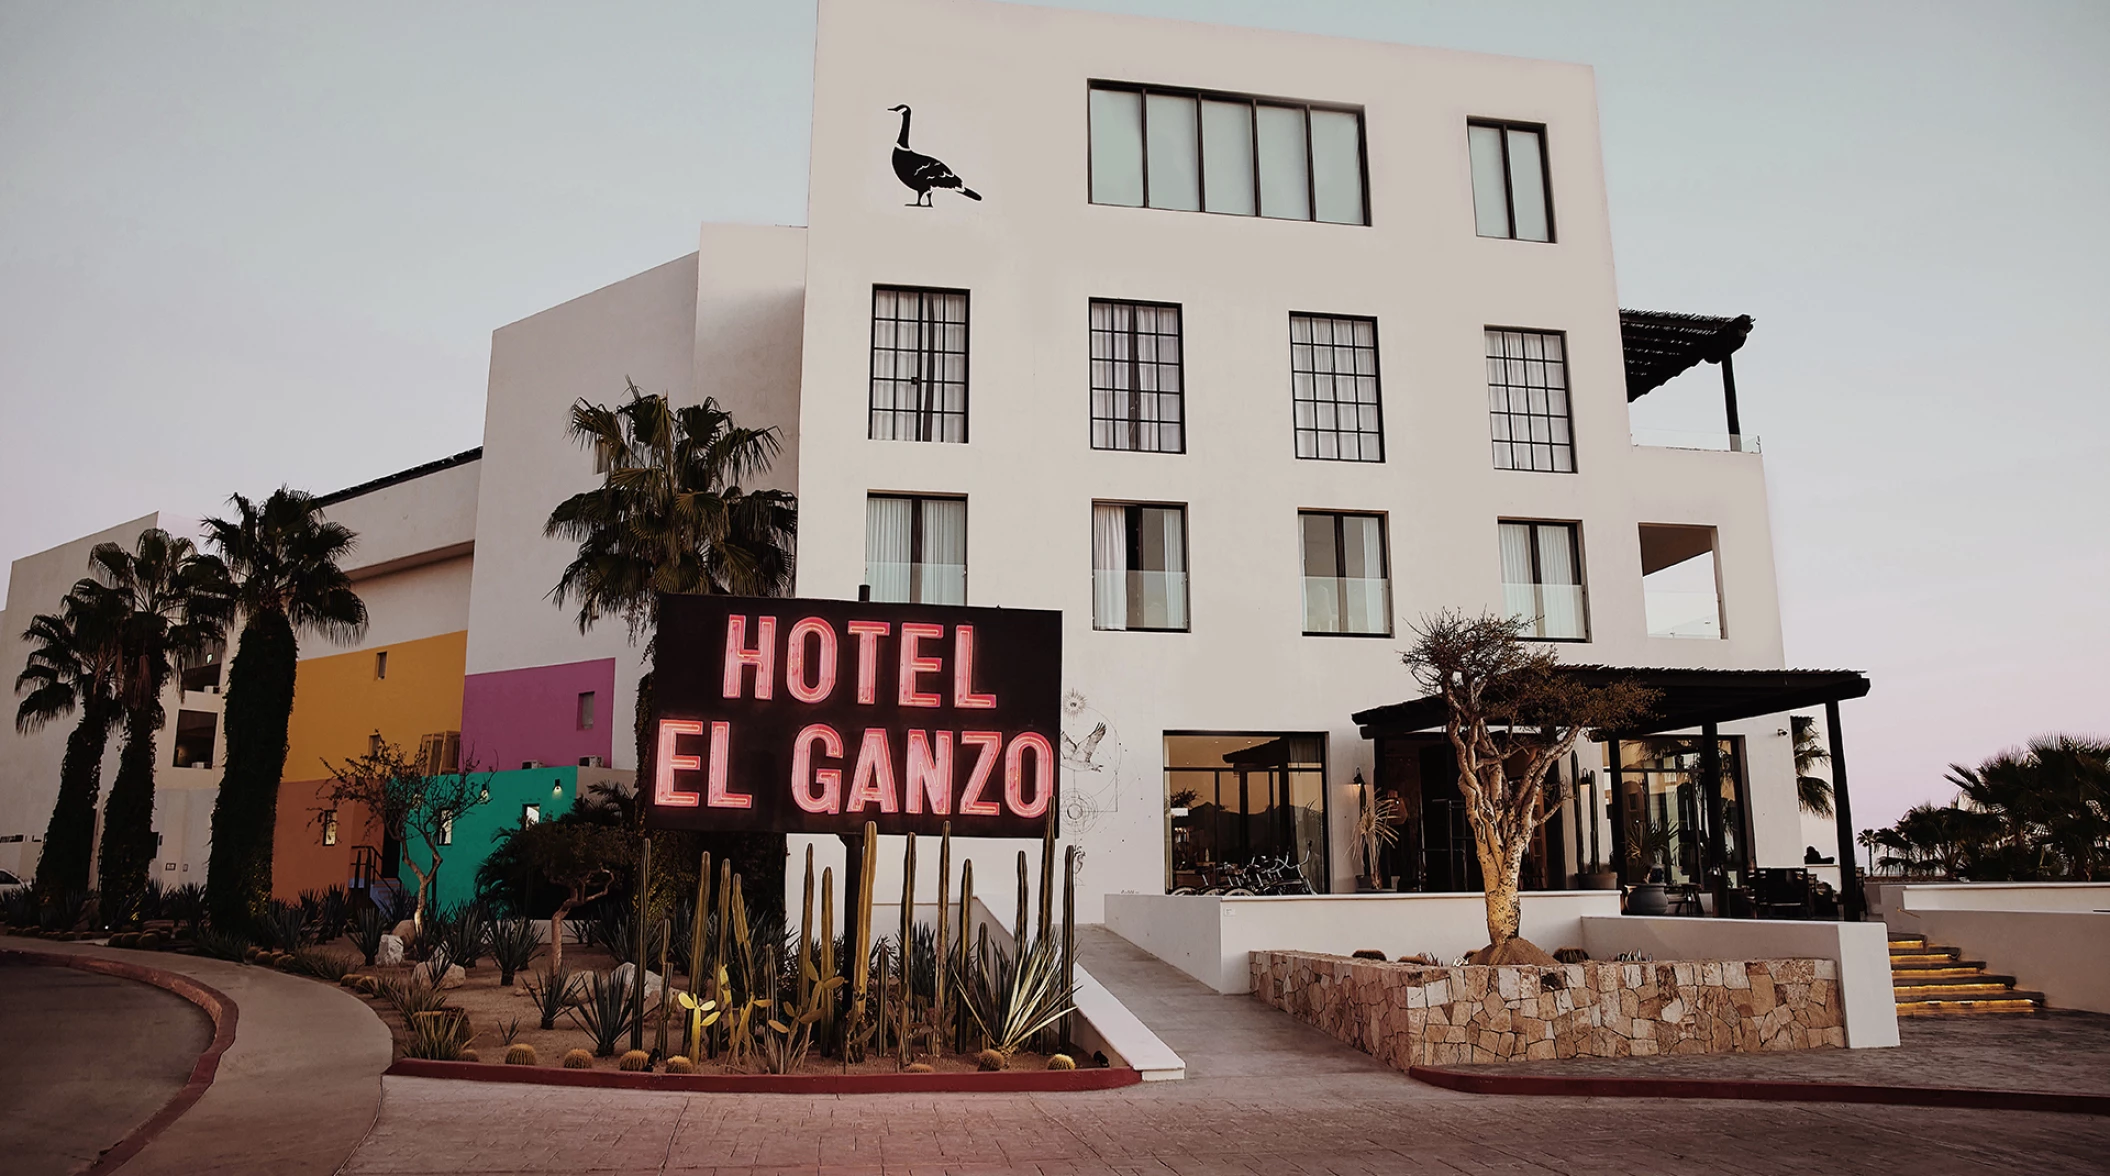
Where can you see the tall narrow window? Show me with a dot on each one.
(1137, 391)
(1511, 195)
(1527, 401)
(1346, 585)
(1680, 583)
(1333, 388)
(916, 549)
(373, 744)
(329, 826)
(586, 701)
(919, 365)
(446, 827)
(1196, 151)
(1139, 566)
(530, 814)
(381, 664)
(1542, 582)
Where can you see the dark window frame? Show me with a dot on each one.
(1324, 864)
(931, 422)
(1340, 557)
(915, 537)
(1567, 390)
(1377, 378)
(1133, 421)
(1509, 183)
(1132, 546)
(1311, 196)
(1538, 574)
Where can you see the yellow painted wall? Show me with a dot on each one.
(338, 703)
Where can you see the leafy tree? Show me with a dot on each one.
(671, 516)
(284, 558)
(72, 666)
(584, 860)
(1511, 717)
(1812, 792)
(407, 803)
(173, 605)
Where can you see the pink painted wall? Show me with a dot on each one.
(511, 716)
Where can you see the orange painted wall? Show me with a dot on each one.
(338, 705)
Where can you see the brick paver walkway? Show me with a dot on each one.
(1266, 1097)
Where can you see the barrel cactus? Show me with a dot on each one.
(678, 1064)
(989, 1059)
(1062, 1062)
(468, 1055)
(520, 1053)
(918, 1068)
(578, 1059)
(635, 1059)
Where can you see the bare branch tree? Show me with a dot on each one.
(407, 803)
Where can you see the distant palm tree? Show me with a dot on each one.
(174, 605)
(284, 560)
(1868, 840)
(1813, 793)
(72, 666)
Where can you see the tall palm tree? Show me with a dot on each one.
(284, 560)
(173, 604)
(72, 666)
(1813, 793)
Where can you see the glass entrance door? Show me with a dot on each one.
(1668, 812)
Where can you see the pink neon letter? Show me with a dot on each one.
(664, 793)
(1043, 774)
(971, 802)
(873, 781)
(721, 795)
(795, 661)
(914, 634)
(804, 775)
(763, 657)
(963, 694)
(930, 771)
(868, 635)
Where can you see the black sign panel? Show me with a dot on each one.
(815, 716)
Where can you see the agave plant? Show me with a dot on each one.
(284, 926)
(321, 964)
(605, 1013)
(513, 944)
(553, 992)
(65, 910)
(411, 996)
(220, 945)
(184, 904)
(1011, 999)
(367, 932)
(438, 1035)
(461, 930)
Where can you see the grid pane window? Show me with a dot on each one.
(1138, 394)
(1139, 566)
(1527, 401)
(1542, 582)
(916, 549)
(1511, 197)
(1333, 388)
(919, 365)
(1192, 151)
(1346, 588)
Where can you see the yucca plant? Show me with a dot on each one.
(321, 964)
(411, 997)
(367, 931)
(513, 944)
(19, 907)
(64, 910)
(553, 992)
(284, 925)
(1013, 998)
(184, 904)
(438, 1035)
(461, 930)
(605, 1013)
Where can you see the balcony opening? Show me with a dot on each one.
(1681, 581)
(194, 738)
(204, 678)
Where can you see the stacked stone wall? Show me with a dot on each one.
(1416, 1015)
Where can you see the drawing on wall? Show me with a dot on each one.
(1091, 765)
(921, 173)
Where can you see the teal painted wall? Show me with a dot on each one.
(554, 789)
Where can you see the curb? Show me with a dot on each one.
(216, 1005)
(1000, 1082)
(1757, 1090)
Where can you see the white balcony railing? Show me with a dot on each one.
(1687, 439)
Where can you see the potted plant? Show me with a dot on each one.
(1651, 846)
(1376, 826)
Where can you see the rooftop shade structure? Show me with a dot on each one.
(1660, 345)
(1686, 698)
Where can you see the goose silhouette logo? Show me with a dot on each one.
(921, 173)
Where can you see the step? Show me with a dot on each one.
(1963, 980)
(1897, 965)
(1929, 956)
(1912, 992)
(2019, 1002)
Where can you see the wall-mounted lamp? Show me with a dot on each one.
(556, 787)
(1359, 779)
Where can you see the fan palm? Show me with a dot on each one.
(1813, 793)
(172, 604)
(284, 560)
(72, 666)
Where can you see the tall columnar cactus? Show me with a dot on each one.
(944, 974)
(908, 901)
(699, 923)
(966, 903)
(715, 967)
(1069, 935)
(805, 928)
(1047, 878)
(861, 941)
(1018, 920)
(827, 969)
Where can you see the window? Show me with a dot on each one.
(373, 744)
(1333, 388)
(381, 664)
(1138, 396)
(1234, 799)
(1195, 151)
(1680, 585)
(1527, 400)
(446, 827)
(916, 549)
(1346, 589)
(586, 710)
(329, 826)
(530, 814)
(1511, 195)
(1139, 566)
(919, 365)
(1542, 582)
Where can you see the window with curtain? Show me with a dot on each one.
(1139, 566)
(1527, 401)
(1347, 587)
(1542, 583)
(916, 549)
(1511, 194)
(919, 365)
(1333, 388)
(1196, 151)
(1138, 396)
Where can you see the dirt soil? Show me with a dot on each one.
(493, 1009)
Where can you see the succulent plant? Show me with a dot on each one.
(578, 1059)
(520, 1053)
(634, 1060)
(440, 1035)
(149, 941)
(553, 992)
(1061, 1062)
(918, 1068)
(468, 1055)
(989, 1059)
(680, 1064)
(250, 953)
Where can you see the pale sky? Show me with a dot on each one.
(244, 244)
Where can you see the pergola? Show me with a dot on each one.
(1686, 699)
(1660, 345)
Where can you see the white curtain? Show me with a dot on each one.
(1174, 522)
(1369, 590)
(1519, 592)
(1109, 566)
(942, 576)
(1562, 588)
(887, 523)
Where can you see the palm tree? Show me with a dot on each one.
(173, 605)
(73, 661)
(1868, 840)
(1813, 793)
(284, 559)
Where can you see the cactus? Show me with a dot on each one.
(699, 924)
(1018, 921)
(1069, 935)
(805, 927)
(966, 901)
(944, 980)
(520, 1053)
(989, 1059)
(1047, 880)
(578, 1059)
(149, 941)
(918, 1068)
(827, 969)
(634, 1060)
(678, 1064)
(1061, 1062)
(468, 1055)
(250, 953)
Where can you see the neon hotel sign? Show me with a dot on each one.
(815, 716)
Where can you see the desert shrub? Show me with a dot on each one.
(184, 904)
(65, 910)
(605, 1013)
(578, 1059)
(18, 908)
(513, 944)
(1011, 999)
(520, 1054)
(460, 930)
(325, 911)
(553, 992)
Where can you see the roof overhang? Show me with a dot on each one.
(1685, 698)
(1660, 345)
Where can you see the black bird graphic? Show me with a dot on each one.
(922, 173)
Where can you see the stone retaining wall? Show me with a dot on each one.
(1415, 1015)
